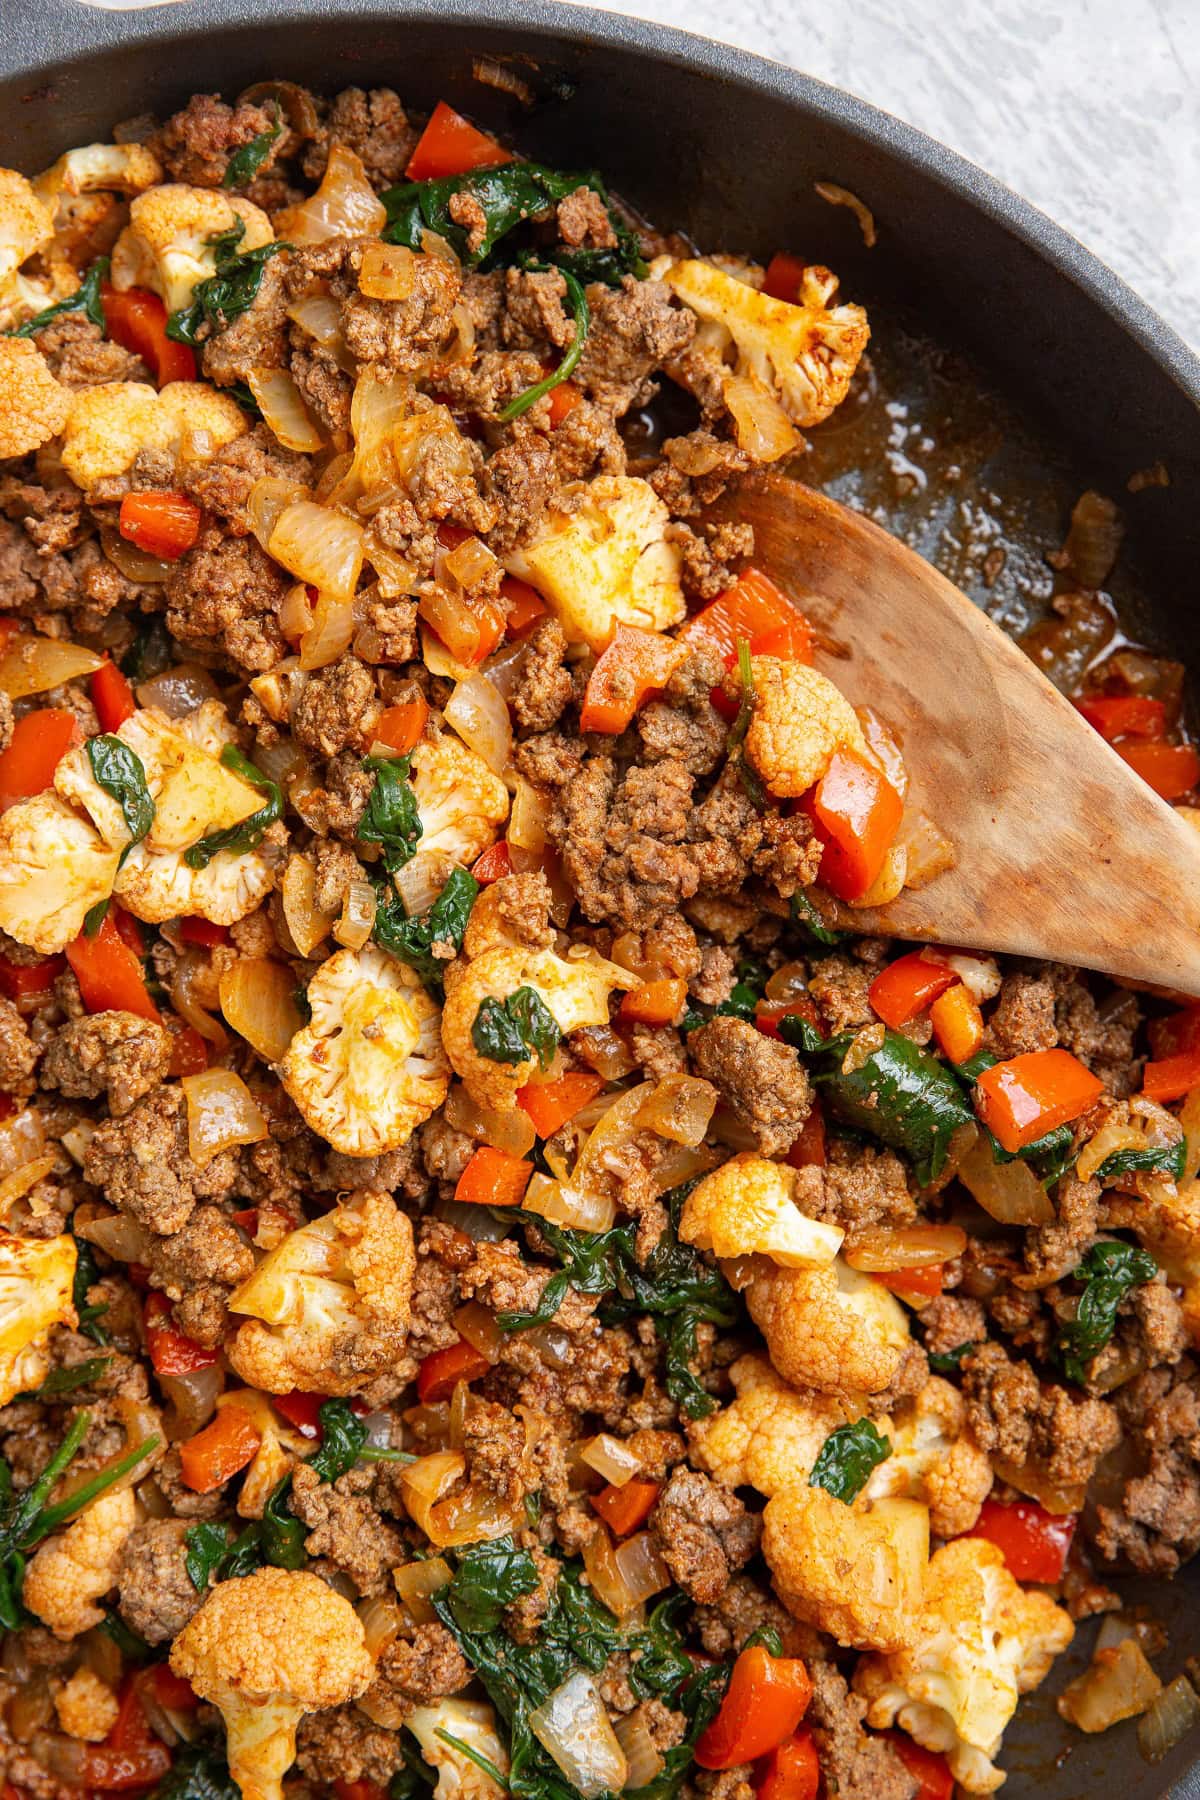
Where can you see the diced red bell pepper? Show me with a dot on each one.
(108, 1770)
(171, 1352)
(247, 1218)
(112, 697)
(791, 1772)
(440, 1374)
(358, 1790)
(754, 609)
(1172, 770)
(907, 986)
(169, 1689)
(137, 319)
(1124, 715)
(302, 1411)
(549, 1104)
(219, 1451)
(451, 145)
(493, 865)
(563, 400)
(194, 930)
(636, 664)
(768, 1013)
(109, 973)
(163, 525)
(926, 1766)
(1020, 1100)
(129, 930)
(1173, 1077)
(493, 1178)
(18, 980)
(957, 1023)
(470, 627)
(915, 1285)
(524, 605)
(189, 1052)
(400, 727)
(766, 1699)
(624, 1508)
(1035, 1543)
(38, 744)
(855, 812)
(808, 1151)
(783, 277)
(655, 1002)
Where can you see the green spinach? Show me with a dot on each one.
(150, 652)
(65, 1380)
(1155, 1159)
(245, 163)
(132, 1646)
(1108, 1271)
(490, 1577)
(899, 1094)
(515, 1029)
(412, 938)
(948, 1362)
(797, 1031)
(86, 299)
(86, 1276)
(846, 1459)
(248, 834)
(343, 1435)
(232, 289)
(390, 818)
(198, 1772)
(811, 923)
(122, 774)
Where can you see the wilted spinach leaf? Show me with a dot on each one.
(231, 290)
(582, 317)
(900, 1095)
(86, 1276)
(515, 1029)
(245, 163)
(390, 818)
(846, 1459)
(1155, 1159)
(238, 839)
(198, 1772)
(86, 299)
(488, 1578)
(65, 1380)
(122, 774)
(412, 938)
(1109, 1270)
(947, 1362)
(343, 1435)
(808, 919)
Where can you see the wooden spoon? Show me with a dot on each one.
(1063, 853)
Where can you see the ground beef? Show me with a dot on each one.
(521, 478)
(226, 594)
(841, 988)
(18, 1053)
(703, 1533)
(194, 146)
(635, 329)
(591, 1379)
(415, 1671)
(855, 1764)
(442, 1253)
(345, 1527)
(1101, 1036)
(375, 126)
(326, 390)
(80, 356)
(583, 219)
(760, 1080)
(1052, 1251)
(338, 806)
(223, 484)
(340, 1744)
(116, 1054)
(501, 1280)
(155, 1593)
(336, 709)
(1013, 1415)
(522, 909)
(1157, 1525)
(660, 1050)
(1023, 1018)
(684, 726)
(523, 1617)
(949, 1321)
(551, 761)
(736, 1783)
(256, 338)
(696, 470)
(545, 686)
(859, 1188)
(143, 1165)
(402, 335)
(710, 552)
(444, 1150)
(207, 1251)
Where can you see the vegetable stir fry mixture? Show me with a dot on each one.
(505, 1289)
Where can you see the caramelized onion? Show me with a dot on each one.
(565, 1205)
(356, 921)
(258, 998)
(1172, 1714)
(880, 1251)
(478, 1326)
(574, 1729)
(21, 1139)
(330, 633)
(1117, 1684)
(178, 691)
(840, 196)
(190, 971)
(386, 272)
(192, 1398)
(928, 851)
(1010, 1192)
(416, 1581)
(135, 564)
(680, 1109)
(321, 316)
(600, 1561)
(762, 428)
(221, 1113)
(382, 1621)
(448, 1519)
(118, 1236)
(610, 1457)
(31, 665)
(421, 880)
(318, 545)
(345, 205)
(510, 1131)
(478, 714)
(267, 502)
(283, 409)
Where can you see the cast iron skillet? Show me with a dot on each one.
(727, 146)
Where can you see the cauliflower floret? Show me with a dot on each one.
(73, 1570)
(194, 795)
(369, 1066)
(1168, 1225)
(803, 354)
(26, 225)
(769, 1438)
(168, 246)
(461, 803)
(194, 407)
(53, 870)
(980, 1641)
(933, 1461)
(800, 719)
(472, 1722)
(266, 1649)
(36, 1278)
(87, 1708)
(834, 1329)
(854, 1571)
(33, 405)
(329, 1306)
(745, 1208)
(111, 168)
(606, 563)
(107, 427)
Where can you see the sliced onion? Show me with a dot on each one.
(610, 1457)
(840, 196)
(193, 1399)
(140, 1422)
(295, 615)
(980, 975)
(76, 1140)
(447, 1519)
(386, 272)
(478, 1326)
(376, 409)
(308, 926)
(475, 1222)
(283, 409)
(574, 1729)
(528, 820)
(890, 880)
(681, 1163)
(680, 1109)
(1009, 1192)
(356, 921)
(467, 632)
(928, 850)
(511, 1131)
(1108, 1141)
(321, 316)
(21, 1139)
(178, 691)
(879, 1251)
(762, 428)
(884, 748)
(477, 712)
(604, 1051)
(118, 1236)
(267, 502)
(416, 1581)
(330, 633)
(1171, 1715)
(14, 1187)
(295, 102)
(221, 1113)
(258, 998)
(395, 574)
(421, 880)
(320, 546)
(285, 762)
(30, 665)
(641, 1568)
(345, 205)
(1028, 1479)
(190, 972)
(565, 1205)
(469, 563)
(787, 982)
(382, 1621)
(135, 564)
(645, 1762)
(600, 1561)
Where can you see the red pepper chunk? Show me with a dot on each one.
(451, 145)
(636, 664)
(855, 812)
(163, 525)
(38, 744)
(791, 1772)
(766, 1699)
(1178, 1032)
(109, 972)
(808, 1151)
(784, 276)
(137, 319)
(493, 1178)
(493, 865)
(220, 1451)
(915, 1285)
(926, 1766)
(524, 604)
(1124, 715)
(171, 1352)
(907, 987)
(302, 1411)
(193, 930)
(18, 980)
(549, 1104)
(400, 727)
(358, 1790)
(1022, 1099)
(1173, 1077)
(440, 1374)
(769, 1013)
(755, 609)
(1035, 1543)
(1172, 770)
(112, 697)
(624, 1508)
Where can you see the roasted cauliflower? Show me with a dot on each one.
(472, 1722)
(71, 1571)
(168, 244)
(979, 1642)
(800, 719)
(108, 425)
(369, 1066)
(36, 1280)
(91, 168)
(934, 1461)
(461, 803)
(53, 869)
(769, 1438)
(833, 1328)
(26, 226)
(266, 1649)
(745, 1208)
(855, 1571)
(607, 562)
(328, 1308)
(86, 1707)
(33, 405)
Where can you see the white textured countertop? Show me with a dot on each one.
(1090, 108)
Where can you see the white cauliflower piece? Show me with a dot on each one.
(86, 1707)
(472, 1722)
(194, 796)
(36, 1277)
(71, 1571)
(769, 1438)
(461, 803)
(266, 1649)
(328, 1308)
(606, 563)
(800, 719)
(53, 870)
(167, 245)
(803, 354)
(746, 1208)
(934, 1461)
(833, 1329)
(980, 1642)
(195, 408)
(854, 1571)
(369, 1066)
(33, 405)
(26, 226)
(107, 427)
(92, 168)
